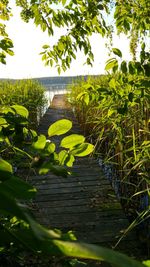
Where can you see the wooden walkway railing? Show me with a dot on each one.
(85, 201)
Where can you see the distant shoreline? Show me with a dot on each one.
(55, 79)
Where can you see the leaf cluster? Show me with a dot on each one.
(80, 19)
(6, 44)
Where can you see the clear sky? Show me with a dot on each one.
(28, 41)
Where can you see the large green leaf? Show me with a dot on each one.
(82, 150)
(42, 232)
(5, 170)
(21, 110)
(5, 166)
(40, 143)
(87, 251)
(18, 188)
(147, 263)
(72, 140)
(8, 205)
(60, 127)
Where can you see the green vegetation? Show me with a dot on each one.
(119, 103)
(28, 93)
(114, 111)
(20, 233)
(79, 19)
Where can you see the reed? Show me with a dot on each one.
(114, 113)
(28, 93)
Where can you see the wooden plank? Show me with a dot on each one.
(79, 219)
(92, 202)
(74, 195)
(50, 180)
(73, 177)
(71, 210)
(80, 189)
(70, 185)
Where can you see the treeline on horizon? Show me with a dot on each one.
(56, 79)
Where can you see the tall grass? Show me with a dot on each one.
(114, 112)
(28, 93)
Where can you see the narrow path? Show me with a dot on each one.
(85, 201)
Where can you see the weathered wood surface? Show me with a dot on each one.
(85, 201)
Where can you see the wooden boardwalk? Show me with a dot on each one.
(85, 201)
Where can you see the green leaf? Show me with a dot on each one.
(3, 122)
(51, 62)
(41, 232)
(56, 169)
(45, 46)
(33, 133)
(59, 127)
(82, 150)
(70, 160)
(113, 83)
(147, 263)
(88, 251)
(62, 156)
(21, 110)
(110, 112)
(40, 143)
(10, 52)
(44, 57)
(59, 170)
(9, 205)
(132, 69)
(61, 46)
(64, 2)
(45, 168)
(72, 140)
(18, 188)
(117, 52)
(65, 158)
(5, 170)
(80, 96)
(59, 70)
(86, 99)
(50, 147)
(124, 66)
(84, 96)
(111, 64)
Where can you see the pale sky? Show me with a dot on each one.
(28, 41)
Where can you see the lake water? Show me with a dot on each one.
(50, 92)
(54, 89)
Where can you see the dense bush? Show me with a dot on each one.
(28, 93)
